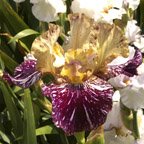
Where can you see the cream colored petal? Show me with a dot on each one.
(109, 41)
(44, 49)
(80, 29)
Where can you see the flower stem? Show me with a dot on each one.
(135, 125)
(43, 26)
(63, 138)
(80, 136)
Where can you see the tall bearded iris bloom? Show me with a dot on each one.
(81, 96)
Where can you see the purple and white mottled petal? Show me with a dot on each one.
(78, 107)
(24, 75)
(129, 68)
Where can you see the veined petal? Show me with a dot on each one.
(24, 75)
(80, 30)
(109, 42)
(82, 106)
(47, 51)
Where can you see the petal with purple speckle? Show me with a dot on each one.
(24, 75)
(129, 68)
(78, 107)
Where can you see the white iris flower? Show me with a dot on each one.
(99, 10)
(46, 10)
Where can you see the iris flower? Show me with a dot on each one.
(46, 10)
(99, 10)
(81, 96)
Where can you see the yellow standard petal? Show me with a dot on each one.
(109, 42)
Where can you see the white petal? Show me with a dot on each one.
(132, 31)
(18, 1)
(114, 117)
(140, 69)
(35, 1)
(139, 43)
(111, 138)
(119, 81)
(132, 96)
(46, 10)
(98, 9)
(133, 4)
(121, 60)
(58, 5)
(29, 57)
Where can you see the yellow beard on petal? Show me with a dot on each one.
(80, 64)
(72, 73)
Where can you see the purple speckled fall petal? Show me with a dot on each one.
(129, 68)
(81, 106)
(24, 75)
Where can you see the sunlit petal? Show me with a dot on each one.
(47, 10)
(47, 51)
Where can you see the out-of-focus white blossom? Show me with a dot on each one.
(47, 10)
(139, 43)
(140, 69)
(119, 81)
(133, 4)
(18, 1)
(132, 31)
(114, 117)
(112, 138)
(99, 10)
(132, 96)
